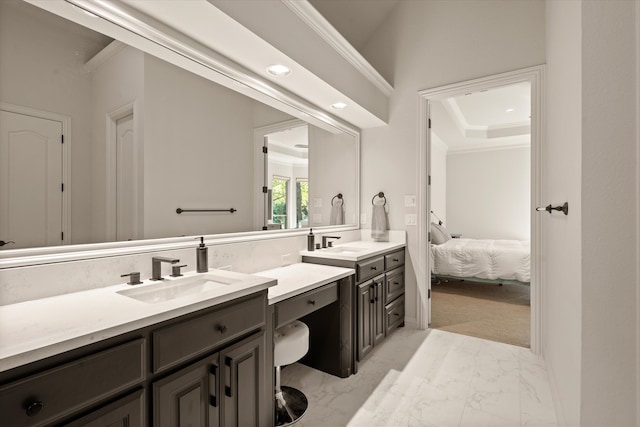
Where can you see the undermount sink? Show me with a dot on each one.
(345, 250)
(178, 288)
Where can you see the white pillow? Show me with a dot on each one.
(437, 238)
(445, 233)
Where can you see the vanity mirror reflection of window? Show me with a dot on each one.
(142, 137)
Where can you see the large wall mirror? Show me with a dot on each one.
(150, 150)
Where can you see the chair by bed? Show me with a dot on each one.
(481, 260)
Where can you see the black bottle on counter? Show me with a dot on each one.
(311, 239)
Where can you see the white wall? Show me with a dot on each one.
(426, 44)
(45, 73)
(117, 82)
(201, 133)
(489, 194)
(438, 179)
(609, 212)
(330, 174)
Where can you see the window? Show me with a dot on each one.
(280, 192)
(302, 202)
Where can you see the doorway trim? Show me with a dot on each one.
(66, 158)
(535, 76)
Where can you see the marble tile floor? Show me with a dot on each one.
(430, 378)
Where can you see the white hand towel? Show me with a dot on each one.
(337, 213)
(379, 224)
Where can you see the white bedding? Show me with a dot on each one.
(484, 259)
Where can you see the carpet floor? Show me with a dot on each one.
(483, 310)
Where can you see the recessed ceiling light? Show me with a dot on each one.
(509, 110)
(339, 106)
(278, 70)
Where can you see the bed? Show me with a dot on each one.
(485, 260)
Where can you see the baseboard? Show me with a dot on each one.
(411, 321)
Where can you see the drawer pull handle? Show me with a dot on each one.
(34, 407)
(396, 283)
(222, 329)
(213, 385)
(396, 314)
(374, 267)
(396, 260)
(312, 302)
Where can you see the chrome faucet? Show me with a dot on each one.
(156, 267)
(325, 238)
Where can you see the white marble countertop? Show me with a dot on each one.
(41, 328)
(301, 277)
(354, 251)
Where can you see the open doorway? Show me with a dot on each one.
(481, 198)
(465, 209)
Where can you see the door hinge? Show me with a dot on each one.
(429, 236)
(264, 189)
(429, 122)
(62, 187)
(265, 150)
(429, 179)
(62, 235)
(429, 294)
(62, 139)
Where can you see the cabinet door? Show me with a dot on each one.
(125, 412)
(189, 397)
(365, 299)
(378, 313)
(243, 374)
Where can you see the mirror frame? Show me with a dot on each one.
(128, 25)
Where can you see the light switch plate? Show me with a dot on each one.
(410, 219)
(410, 200)
(317, 202)
(286, 259)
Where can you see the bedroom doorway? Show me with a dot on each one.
(475, 136)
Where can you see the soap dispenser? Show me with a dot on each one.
(202, 257)
(311, 239)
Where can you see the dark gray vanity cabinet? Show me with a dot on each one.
(207, 368)
(223, 389)
(378, 293)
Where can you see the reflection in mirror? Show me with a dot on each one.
(142, 138)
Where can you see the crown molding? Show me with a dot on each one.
(329, 34)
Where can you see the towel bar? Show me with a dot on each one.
(230, 210)
(339, 196)
(380, 195)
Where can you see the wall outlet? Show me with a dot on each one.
(317, 202)
(225, 267)
(410, 219)
(286, 259)
(410, 200)
(363, 218)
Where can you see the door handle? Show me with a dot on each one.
(213, 384)
(227, 388)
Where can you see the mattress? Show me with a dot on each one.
(484, 259)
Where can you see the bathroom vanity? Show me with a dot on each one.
(203, 359)
(379, 288)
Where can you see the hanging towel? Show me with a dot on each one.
(337, 213)
(379, 224)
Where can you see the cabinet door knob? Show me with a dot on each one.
(222, 329)
(34, 407)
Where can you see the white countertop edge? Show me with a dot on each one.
(308, 287)
(15, 356)
(377, 248)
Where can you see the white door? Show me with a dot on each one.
(30, 181)
(126, 185)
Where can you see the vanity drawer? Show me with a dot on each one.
(394, 260)
(394, 285)
(394, 315)
(301, 305)
(50, 395)
(368, 268)
(182, 341)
